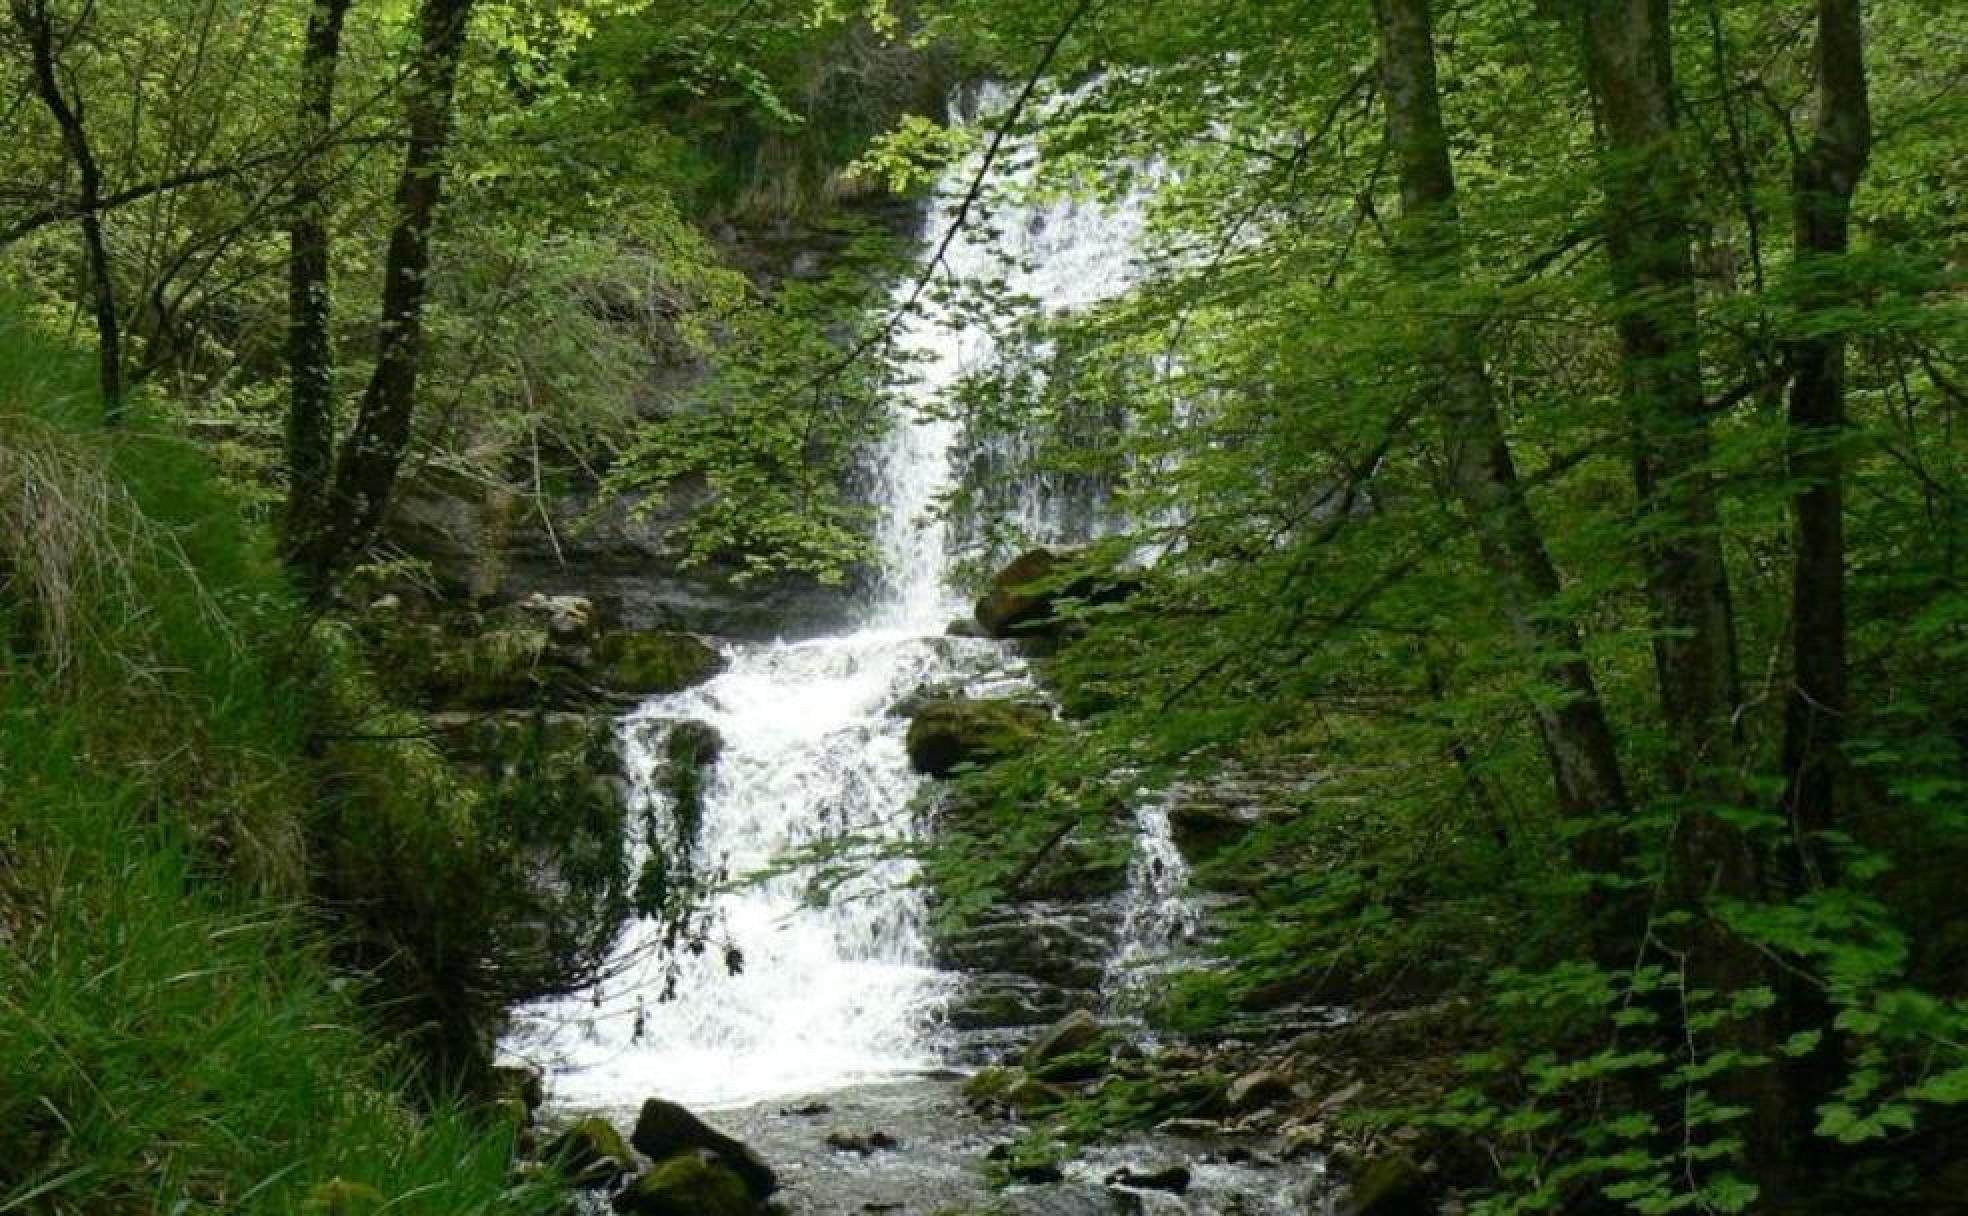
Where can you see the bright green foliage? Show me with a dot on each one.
(172, 1036)
(1319, 613)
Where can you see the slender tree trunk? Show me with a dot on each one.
(1825, 179)
(310, 356)
(1630, 68)
(1648, 225)
(1571, 720)
(365, 472)
(37, 26)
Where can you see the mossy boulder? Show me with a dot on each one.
(1078, 1033)
(590, 1152)
(945, 735)
(692, 1183)
(664, 1129)
(648, 663)
(1024, 598)
(1390, 1186)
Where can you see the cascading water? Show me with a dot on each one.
(1158, 914)
(839, 990)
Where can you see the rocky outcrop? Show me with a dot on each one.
(665, 1130)
(623, 555)
(546, 652)
(1024, 599)
(946, 735)
(1207, 818)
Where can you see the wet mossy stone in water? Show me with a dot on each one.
(665, 1129)
(648, 663)
(590, 1153)
(945, 735)
(692, 1183)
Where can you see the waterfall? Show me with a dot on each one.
(838, 990)
(1157, 913)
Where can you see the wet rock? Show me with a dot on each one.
(1171, 1178)
(947, 734)
(1257, 1090)
(696, 1182)
(1190, 1129)
(522, 1082)
(568, 619)
(590, 1153)
(665, 1129)
(809, 1110)
(1075, 1067)
(966, 627)
(1012, 1090)
(862, 1144)
(1390, 1186)
(1076, 1033)
(650, 663)
(1024, 598)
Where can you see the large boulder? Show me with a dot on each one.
(652, 663)
(1024, 598)
(947, 734)
(664, 1130)
(696, 1182)
(1077, 1032)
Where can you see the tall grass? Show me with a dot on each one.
(172, 1037)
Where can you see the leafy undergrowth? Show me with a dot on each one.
(172, 1035)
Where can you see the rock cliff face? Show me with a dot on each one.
(484, 547)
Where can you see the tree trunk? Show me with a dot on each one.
(1648, 222)
(1630, 70)
(365, 472)
(1571, 720)
(310, 357)
(1825, 179)
(37, 26)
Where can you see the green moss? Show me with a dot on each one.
(651, 664)
(591, 1151)
(947, 735)
(688, 1184)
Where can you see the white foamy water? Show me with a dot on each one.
(833, 991)
(1158, 916)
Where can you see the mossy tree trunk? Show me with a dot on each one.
(310, 354)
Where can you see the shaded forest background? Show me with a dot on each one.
(1543, 419)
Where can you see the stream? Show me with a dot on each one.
(813, 1015)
